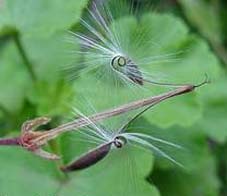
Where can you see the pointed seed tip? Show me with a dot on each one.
(205, 81)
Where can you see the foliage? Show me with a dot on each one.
(33, 49)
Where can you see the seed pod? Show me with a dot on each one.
(88, 159)
(133, 72)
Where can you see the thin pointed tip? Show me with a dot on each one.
(205, 81)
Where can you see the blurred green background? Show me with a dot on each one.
(33, 50)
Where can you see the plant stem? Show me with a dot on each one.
(38, 139)
(10, 142)
(24, 56)
(84, 121)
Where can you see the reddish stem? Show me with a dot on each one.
(10, 141)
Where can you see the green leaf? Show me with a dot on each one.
(25, 174)
(25, 170)
(40, 18)
(202, 181)
(124, 170)
(51, 99)
(204, 15)
(186, 120)
(49, 55)
(192, 141)
(14, 78)
(193, 63)
(213, 122)
(199, 177)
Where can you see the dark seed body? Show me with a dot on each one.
(88, 159)
(134, 74)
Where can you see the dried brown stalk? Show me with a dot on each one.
(33, 140)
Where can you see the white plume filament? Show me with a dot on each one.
(139, 140)
(108, 140)
(106, 45)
